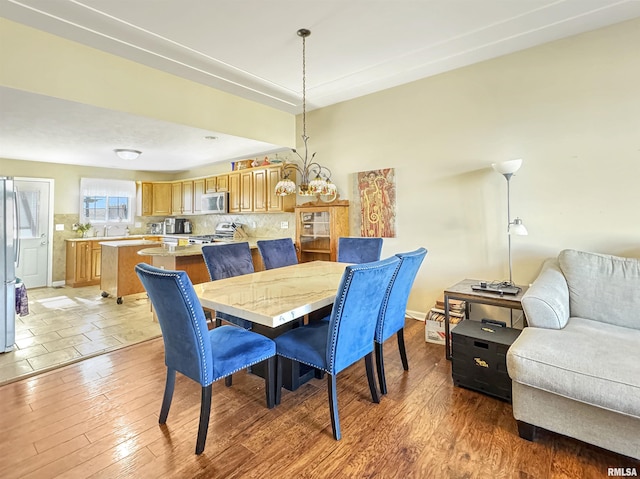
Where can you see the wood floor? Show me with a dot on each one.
(99, 418)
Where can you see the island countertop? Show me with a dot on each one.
(128, 242)
(189, 257)
(193, 249)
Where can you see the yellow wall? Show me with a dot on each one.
(570, 109)
(38, 62)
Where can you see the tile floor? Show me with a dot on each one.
(65, 325)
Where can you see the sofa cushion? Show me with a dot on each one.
(588, 361)
(603, 287)
(546, 302)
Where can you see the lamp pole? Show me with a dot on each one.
(508, 177)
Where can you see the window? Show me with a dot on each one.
(107, 201)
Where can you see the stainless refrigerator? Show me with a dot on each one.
(9, 247)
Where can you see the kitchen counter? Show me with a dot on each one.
(189, 258)
(189, 250)
(112, 238)
(128, 242)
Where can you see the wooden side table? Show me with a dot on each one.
(462, 291)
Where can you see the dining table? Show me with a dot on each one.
(276, 300)
(277, 296)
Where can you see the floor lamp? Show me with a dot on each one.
(515, 227)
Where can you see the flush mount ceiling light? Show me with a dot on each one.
(314, 178)
(127, 154)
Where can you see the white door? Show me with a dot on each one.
(34, 214)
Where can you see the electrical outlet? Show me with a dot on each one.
(284, 225)
(60, 227)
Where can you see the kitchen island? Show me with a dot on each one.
(189, 258)
(119, 258)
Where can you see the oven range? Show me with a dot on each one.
(224, 232)
(204, 239)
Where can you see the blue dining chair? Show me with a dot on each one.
(333, 345)
(359, 250)
(193, 350)
(225, 261)
(277, 253)
(393, 310)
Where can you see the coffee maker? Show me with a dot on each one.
(187, 227)
(180, 225)
(170, 226)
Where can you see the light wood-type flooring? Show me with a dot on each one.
(98, 418)
(65, 325)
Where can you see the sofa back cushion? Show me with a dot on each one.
(602, 287)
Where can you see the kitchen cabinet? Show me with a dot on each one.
(161, 203)
(234, 193)
(96, 261)
(176, 198)
(78, 263)
(187, 197)
(246, 191)
(210, 184)
(318, 227)
(198, 191)
(222, 183)
(145, 198)
(265, 199)
(260, 190)
(83, 263)
(241, 192)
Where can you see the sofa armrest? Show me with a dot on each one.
(546, 302)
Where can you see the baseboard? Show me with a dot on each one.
(418, 315)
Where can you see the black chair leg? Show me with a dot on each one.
(403, 351)
(380, 368)
(269, 381)
(168, 395)
(333, 406)
(368, 362)
(205, 411)
(218, 322)
(228, 380)
(278, 391)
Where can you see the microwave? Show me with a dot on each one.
(215, 202)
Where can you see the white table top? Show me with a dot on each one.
(277, 296)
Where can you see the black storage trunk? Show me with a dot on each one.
(478, 359)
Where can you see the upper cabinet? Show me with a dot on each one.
(198, 191)
(187, 197)
(251, 190)
(246, 191)
(234, 192)
(222, 183)
(161, 199)
(176, 198)
(145, 198)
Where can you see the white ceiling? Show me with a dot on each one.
(250, 48)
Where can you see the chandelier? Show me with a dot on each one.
(314, 178)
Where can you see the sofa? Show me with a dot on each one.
(575, 369)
